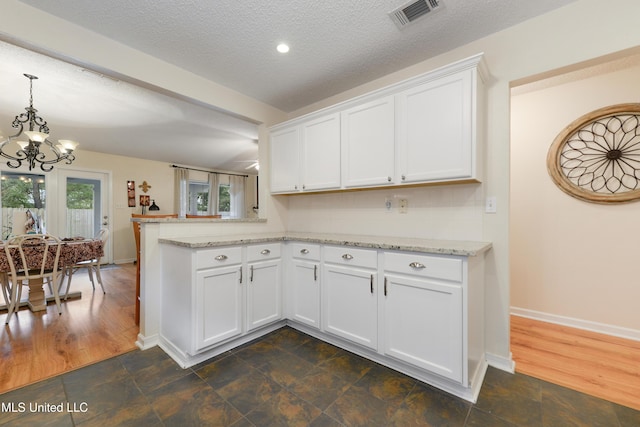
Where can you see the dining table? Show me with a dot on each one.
(72, 251)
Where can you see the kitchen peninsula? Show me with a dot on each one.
(414, 305)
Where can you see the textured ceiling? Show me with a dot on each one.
(335, 45)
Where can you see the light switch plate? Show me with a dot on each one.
(490, 205)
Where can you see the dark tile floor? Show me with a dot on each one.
(290, 379)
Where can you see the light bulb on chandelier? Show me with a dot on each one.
(38, 138)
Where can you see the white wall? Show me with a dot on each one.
(570, 258)
(578, 32)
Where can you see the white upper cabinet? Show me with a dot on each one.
(427, 129)
(321, 153)
(285, 160)
(436, 130)
(368, 144)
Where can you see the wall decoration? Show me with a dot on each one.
(145, 187)
(144, 202)
(131, 194)
(597, 157)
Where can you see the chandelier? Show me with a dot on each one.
(38, 150)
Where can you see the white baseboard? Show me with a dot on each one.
(601, 328)
(503, 363)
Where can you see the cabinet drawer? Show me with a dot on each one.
(347, 255)
(305, 251)
(218, 257)
(424, 265)
(263, 252)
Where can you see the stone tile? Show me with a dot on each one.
(319, 387)
(513, 398)
(561, 406)
(249, 391)
(325, 421)
(287, 338)
(479, 418)
(260, 353)
(243, 422)
(223, 371)
(426, 406)
(386, 384)
(285, 409)
(286, 369)
(348, 366)
(627, 417)
(101, 397)
(21, 403)
(315, 351)
(358, 407)
(191, 401)
(152, 368)
(105, 371)
(135, 413)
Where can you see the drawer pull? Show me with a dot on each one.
(251, 274)
(241, 275)
(265, 252)
(221, 257)
(347, 256)
(417, 265)
(315, 273)
(385, 286)
(371, 283)
(304, 251)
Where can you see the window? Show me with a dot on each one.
(224, 200)
(198, 198)
(23, 203)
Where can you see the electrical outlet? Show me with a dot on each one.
(490, 205)
(403, 206)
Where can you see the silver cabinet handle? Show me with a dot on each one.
(315, 273)
(265, 252)
(385, 286)
(304, 251)
(371, 283)
(389, 178)
(251, 275)
(404, 177)
(221, 257)
(241, 275)
(304, 186)
(347, 256)
(417, 265)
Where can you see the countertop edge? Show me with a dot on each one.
(443, 247)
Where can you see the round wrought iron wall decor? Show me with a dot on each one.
(597, 157)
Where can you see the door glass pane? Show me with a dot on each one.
(23, 204)
(83, 207)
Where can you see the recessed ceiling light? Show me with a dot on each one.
(283, 48)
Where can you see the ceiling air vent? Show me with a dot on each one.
(409, 12)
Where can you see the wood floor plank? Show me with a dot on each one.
(596, 364)
(95, 327)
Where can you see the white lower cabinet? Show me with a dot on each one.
(304, 284)
(350, 300)
(219, 305)
(264, 302)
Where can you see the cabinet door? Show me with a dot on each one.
(218, 314)
(305, 287)
(423, 324)
(263, 294)
(285, 160)
(350, 304)
(321, 153)
(435, 130)
(368, 144)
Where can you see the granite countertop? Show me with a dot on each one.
(446, 247)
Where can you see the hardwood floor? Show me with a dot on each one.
(599, 365)
(95, 327)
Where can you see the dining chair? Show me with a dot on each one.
(92, 266)
(31, 257)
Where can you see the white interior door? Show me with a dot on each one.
(83, 205)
